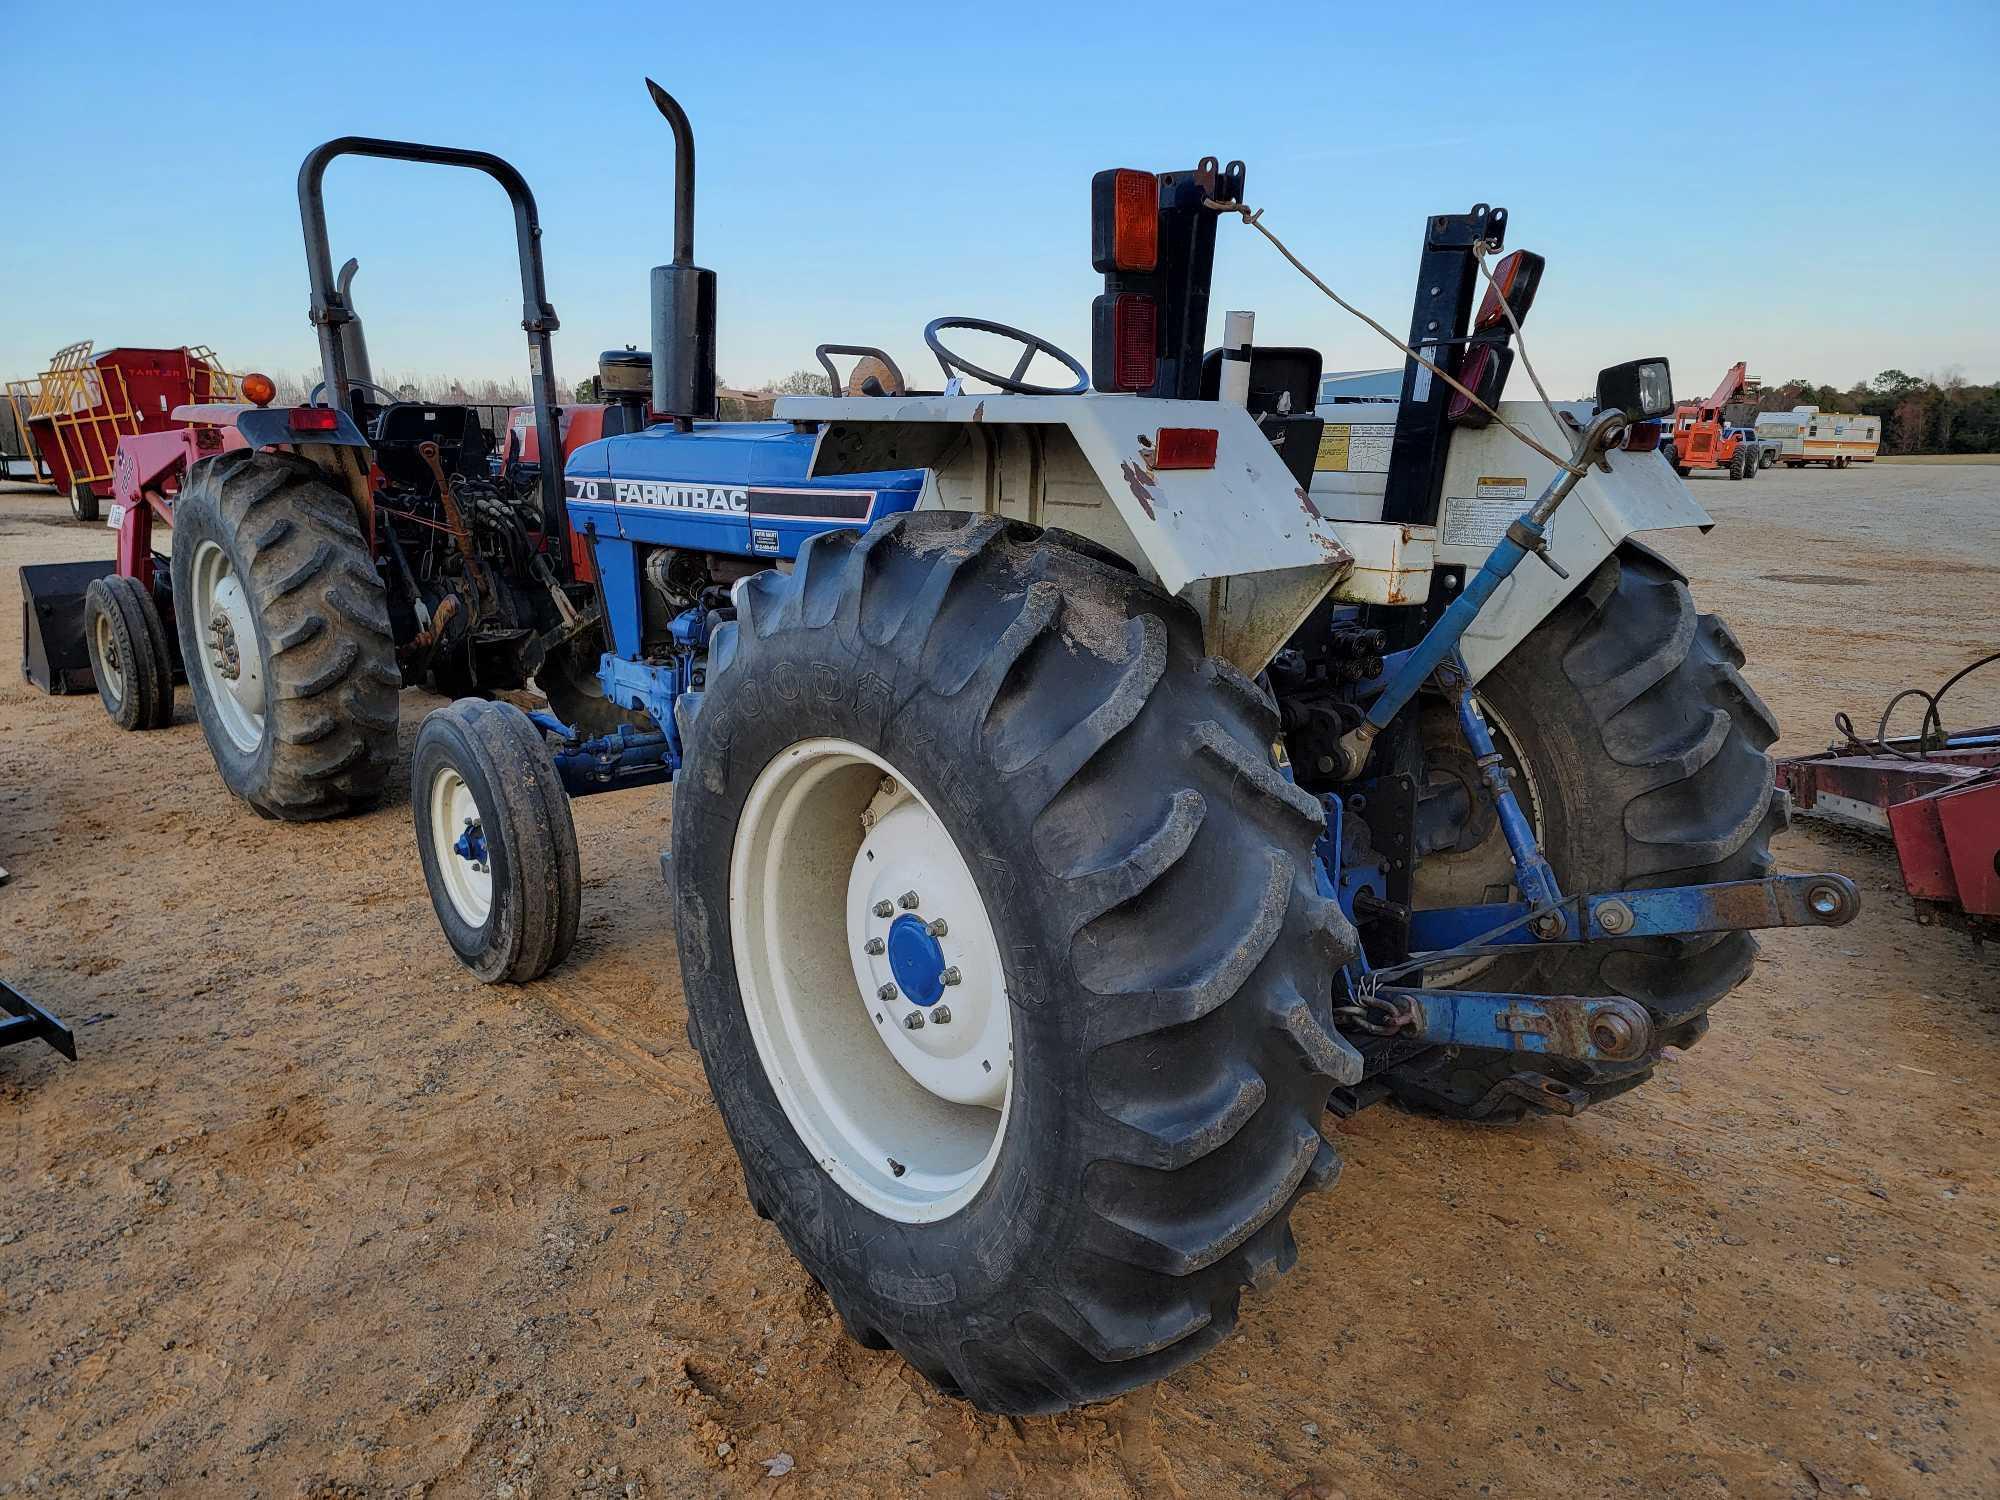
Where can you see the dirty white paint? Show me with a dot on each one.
(1084, 463)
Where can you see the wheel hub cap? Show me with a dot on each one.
(916, 959)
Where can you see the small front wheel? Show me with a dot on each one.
(496, 839)
(83, 501)
(128, 653)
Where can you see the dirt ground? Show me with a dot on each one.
(318, 1215)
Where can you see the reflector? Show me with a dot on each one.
(1516, 277)
(1124, 220)
(313, 419)
(1184, 448)
(1135, 335)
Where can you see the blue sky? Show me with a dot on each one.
(1819, 196)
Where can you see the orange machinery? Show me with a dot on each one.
(1702, 437)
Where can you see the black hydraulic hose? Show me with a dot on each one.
(1931, 724)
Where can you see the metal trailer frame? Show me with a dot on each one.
(85, 406)
(1939, 805)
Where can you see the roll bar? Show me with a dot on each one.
(332, 311)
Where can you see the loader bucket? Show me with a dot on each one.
(54, 654)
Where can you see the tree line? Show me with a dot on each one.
(1919, 414)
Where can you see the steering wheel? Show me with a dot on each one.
(1033, 344)
(319, 389)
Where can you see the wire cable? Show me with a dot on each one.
(1255, 219)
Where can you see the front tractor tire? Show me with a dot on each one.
(1640, 753)
(128, 653)
(958, 763)
(284, 630)
(496, 840)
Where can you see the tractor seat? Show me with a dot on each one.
(403, 427)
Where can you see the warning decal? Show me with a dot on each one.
(1355, 447)
(1481, 518)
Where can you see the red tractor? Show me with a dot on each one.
(1713, 434)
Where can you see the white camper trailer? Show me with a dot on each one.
(1806, 435)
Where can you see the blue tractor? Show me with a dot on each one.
(1080, 788)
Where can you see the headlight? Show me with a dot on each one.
(1641, 388)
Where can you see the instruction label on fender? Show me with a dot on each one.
(1481, 518)
(1355, 447)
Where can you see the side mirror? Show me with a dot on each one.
(1642, 389)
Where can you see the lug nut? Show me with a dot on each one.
(884, 909)
(914, 1021)
(941, 1015)
(887, 992)
(874, 947)
(908, 901)
(951, 976)
(938, 929)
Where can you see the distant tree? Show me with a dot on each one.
(800, 383)
(586, 391)
(1895, 383)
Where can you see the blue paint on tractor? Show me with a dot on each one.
(741, 489)
(916, 959)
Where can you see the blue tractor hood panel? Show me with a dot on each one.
(734, 487)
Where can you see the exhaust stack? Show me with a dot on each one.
(353, 344)
(683, 294)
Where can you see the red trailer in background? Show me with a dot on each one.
(1935, 794)
(73, 414)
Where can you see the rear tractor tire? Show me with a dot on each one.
(1004, 956)
(128, 653)
(496, 839)
(284, 630)
(1641, 755)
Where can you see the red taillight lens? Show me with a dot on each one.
(1125, 220)
(1516, 278)
(1135, 325)
(1641, 437)
(313, 419)
(1184, 448)
(1483, 371)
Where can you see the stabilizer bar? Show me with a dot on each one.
(1822, 900)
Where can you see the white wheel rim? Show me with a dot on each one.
(908, 1120)
(108, 666)
(231, 663)
(458, 838)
